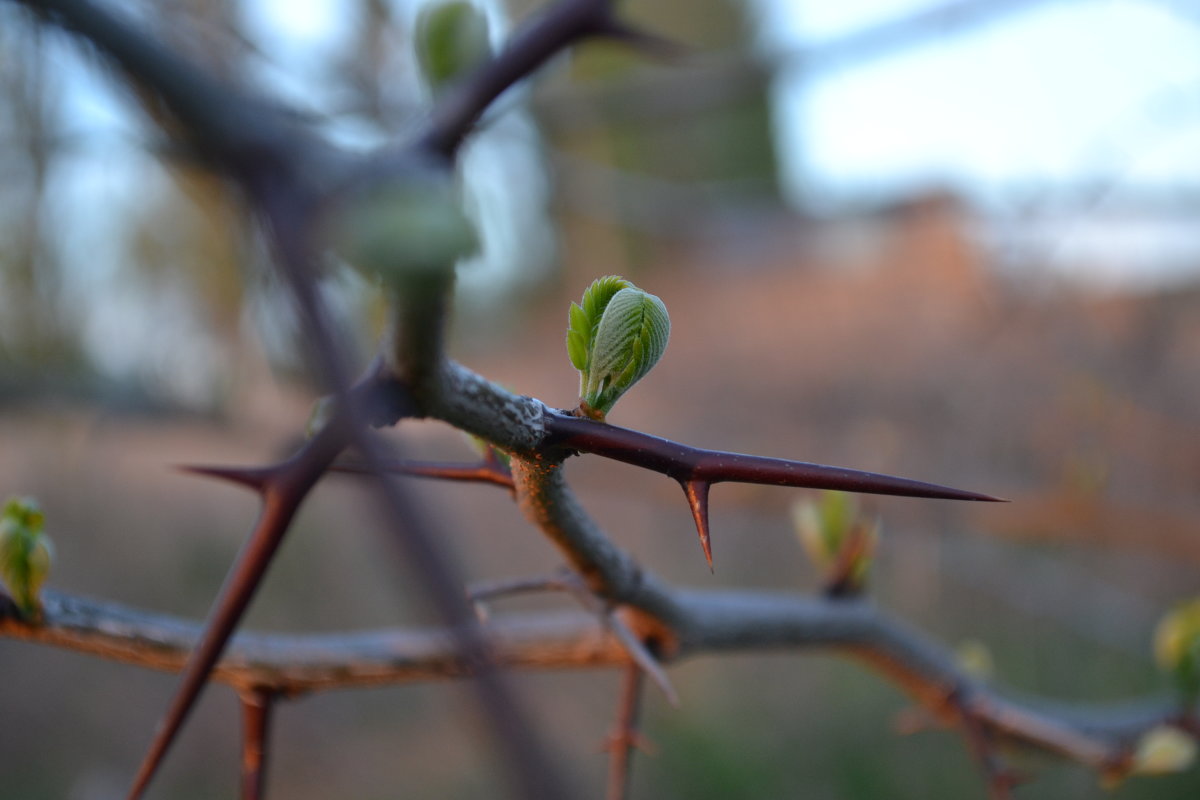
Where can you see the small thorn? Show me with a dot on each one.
(630, 739)
(697, 497)
(252, 477)
(652, 44)
(642, 656)
(913, 719)
(1015, 779)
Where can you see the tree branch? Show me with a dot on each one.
(297, 664)
(557, 28)
(541, 438)
(710, 622)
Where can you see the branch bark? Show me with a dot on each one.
(710, 622)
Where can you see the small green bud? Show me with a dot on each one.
(451, 39)
(25, 552)
(615, 335)
(318, 418)
(1162, 750)
(837, 538)
(404, 230)
(1177, 647)
(975, 658)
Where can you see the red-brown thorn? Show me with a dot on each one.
(697, 497)
(697, 469)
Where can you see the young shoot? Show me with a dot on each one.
(616, 334)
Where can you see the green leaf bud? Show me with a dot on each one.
(1162, 750)
(615, 335)
(319, 416)
(410, 229)
(975, 659)
(1177, 647)
(451, 39)
(837, 538)
(25, 553)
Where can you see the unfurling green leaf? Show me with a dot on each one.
(451, 39)
(25, 552)
(1177, 648)
(615, 335)
(406, 229)
(975, 659)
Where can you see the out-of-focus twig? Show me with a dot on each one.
(257, 705)
(625, 737)
(710, 622)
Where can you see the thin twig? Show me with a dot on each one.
(256, 728)
(480, 593)
(625, 736)
(487, 471)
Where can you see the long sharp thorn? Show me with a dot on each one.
(250, 477)
(652, 44)
(697, 497)
(228, 609)
(690, 464)
(643, 658)
(781, 472)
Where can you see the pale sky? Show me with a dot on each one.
(1063, 90)
(1060, 90)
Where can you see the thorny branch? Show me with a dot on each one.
(283, 489)
(711, 622)
(697, 469)
(290, 178)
